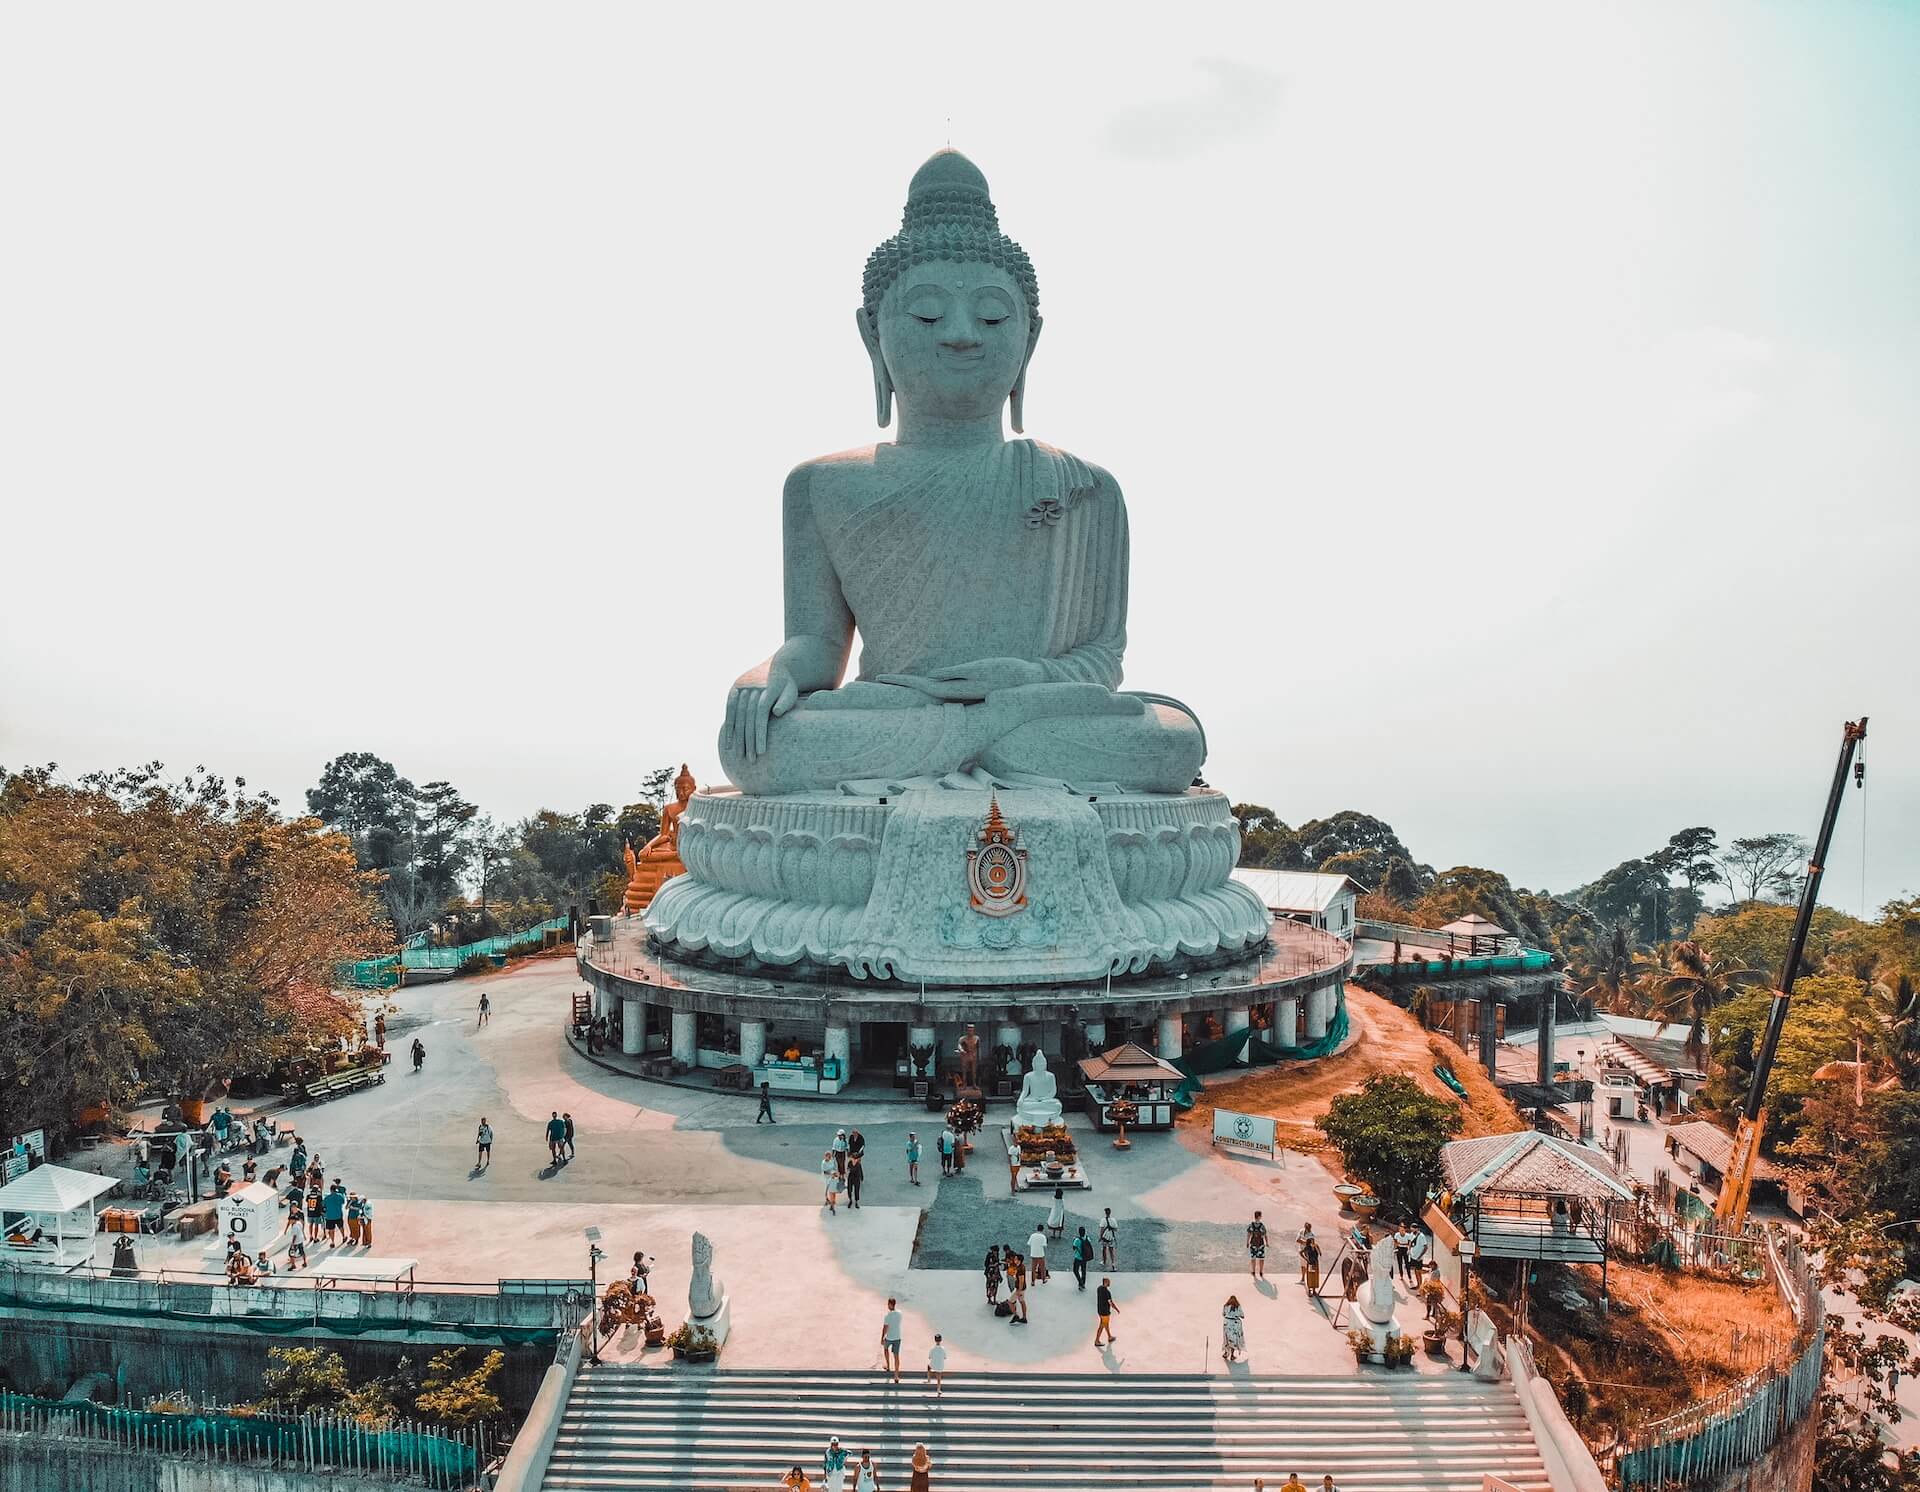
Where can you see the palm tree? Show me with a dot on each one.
(1614, 970)
(1694, 983)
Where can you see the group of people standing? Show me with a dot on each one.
(836, 1466)
(320, 1212)
(843, 1167)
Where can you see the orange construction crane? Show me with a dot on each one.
(1732, 1205)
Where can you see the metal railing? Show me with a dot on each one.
(307, 1295)
(397, 1451)
(1734, 1428)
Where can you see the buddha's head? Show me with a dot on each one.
(950, 312)
(683, 785)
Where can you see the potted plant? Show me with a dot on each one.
(1123, 1113)
(1432, 1292)
(1442, 1324)
(1346, 1191)
(1399, 1353)
(1362, 1343)
(692, 1343)
(966, 1117)
(1364, 1205)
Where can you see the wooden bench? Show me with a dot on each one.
(349, 1080)
(737, 1075)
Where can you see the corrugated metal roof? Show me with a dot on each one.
(1714, 1145)
(1296, 890)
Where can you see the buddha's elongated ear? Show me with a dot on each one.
(882, 382)
(1018, 399)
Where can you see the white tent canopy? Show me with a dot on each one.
(53, 1189)
(46, 1216)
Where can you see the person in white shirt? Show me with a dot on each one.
(890, 1330)
(1037, 1254)
(937, 1366)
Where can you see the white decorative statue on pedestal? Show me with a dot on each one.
(1038, 1107)
(708, 1304)
(1377, 1299)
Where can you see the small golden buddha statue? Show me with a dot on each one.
(659, 860)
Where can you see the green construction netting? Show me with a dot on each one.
(384, 973)
(448, 1462)
(1219, 1056)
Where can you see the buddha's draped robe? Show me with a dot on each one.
(1014, 551)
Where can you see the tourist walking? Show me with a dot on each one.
(641, 1268)
(1104, 1308)
(419, 1054)
(856, 1146)
(566, 1133)
(840, 1152)
(366, 1222)
(1057, 1214)
(945, 1147)
(1417, 1255)
(830, 1173)
(1293, 1484)
(1233, 1330)
(995, 1274)
(796, 1481)
(1257, 1247)
(297, 1166)
(1082, 1253)
(556, 1137)
(297, 1253)
(316, 1215)
(1017, 1288)
(890, 1329)
(1309, 1260)
(353, 1220)
(486, 1007)
(937, 1366)
(866, 1476)
(380, 1031)
(483, 1145)
(1109, 1241)
(913, 1158)
(922, 1465)
(1037, 1251)
(766, 1105)
(833, 1466)
(334, 1208)
(856, 1176)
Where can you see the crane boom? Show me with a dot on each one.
(1734, 1191)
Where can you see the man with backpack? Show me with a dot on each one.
(1082, 1252)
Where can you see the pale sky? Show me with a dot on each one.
(1518, 406)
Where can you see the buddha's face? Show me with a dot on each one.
(954, 338)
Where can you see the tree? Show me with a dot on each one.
(1819, 1029)
(1634, 891)
(454, 1395)
(1765, 865)
(153, 931)
(1470, 890)
(1694, 984)
(303, 1380)
(1690, 855)
(1266, 843)
(1755, 936)
(1613, 970)
(1389, 1136)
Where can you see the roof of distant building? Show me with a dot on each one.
(1714, 1145)
(1528, 1161)
(1297, 890)
(1128, 1063)
(1473, 925)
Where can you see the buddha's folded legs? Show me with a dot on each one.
(1071, 732)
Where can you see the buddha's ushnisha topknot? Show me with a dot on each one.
(949, 216)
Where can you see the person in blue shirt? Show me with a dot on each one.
(556, 1137)
(333, 1208)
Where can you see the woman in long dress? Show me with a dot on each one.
(994, 1274)
(1233, 1330)
(922, 1469)
(1057, 1214)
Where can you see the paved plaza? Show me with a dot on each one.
(655, 1163)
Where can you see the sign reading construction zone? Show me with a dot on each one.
(1243, 1131)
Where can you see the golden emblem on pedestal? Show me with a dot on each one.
(659, 861)
(997, 871)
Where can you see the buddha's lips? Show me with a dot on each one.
(963, 357)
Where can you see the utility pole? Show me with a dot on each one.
(1732, 1205)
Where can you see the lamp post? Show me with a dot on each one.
(1468, 1248)
(594, 1256)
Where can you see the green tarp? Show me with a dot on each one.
(1221, 1055)
(384, 973)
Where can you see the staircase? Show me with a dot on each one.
(630, 1427)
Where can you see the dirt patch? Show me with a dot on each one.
(1669, 1340)
(1390, 1041)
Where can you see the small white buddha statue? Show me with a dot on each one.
(1038, 1107)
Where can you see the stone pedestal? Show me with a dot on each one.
(753, 1042)
(1169, 1037)
(1286, 1022)
(633, 1027)
(684, 1045)
(839, 1047)
(1238, 1018)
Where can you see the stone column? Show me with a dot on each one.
(1238, 1018)
(633, 1025)
(683, 1038)
(753, 1042)
(1169, 1036)
(839, 1044)
(1319, 1008)
(1286, 1022)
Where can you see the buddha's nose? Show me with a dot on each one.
(960, 339)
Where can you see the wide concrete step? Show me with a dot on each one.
(717, 1431)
